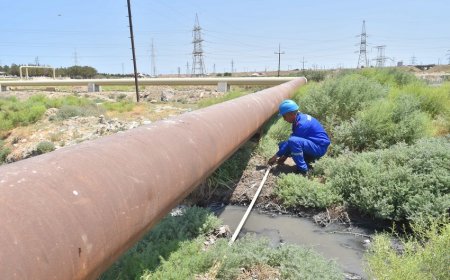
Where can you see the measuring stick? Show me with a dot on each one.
(238, 229)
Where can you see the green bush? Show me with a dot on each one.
(225, 262)
(383, 124)
(295, 190)
(44, 147)
(393, 77)
(425, 255)
(70, 111)
(400, 183)
(337, 100)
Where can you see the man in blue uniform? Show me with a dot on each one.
(308, 141)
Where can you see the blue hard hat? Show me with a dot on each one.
(287, 106)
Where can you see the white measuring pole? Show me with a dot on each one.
(238, 229)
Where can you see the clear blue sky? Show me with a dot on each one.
(245, 31)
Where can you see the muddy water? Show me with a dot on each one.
(346, 249)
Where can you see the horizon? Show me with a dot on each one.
(243, 33)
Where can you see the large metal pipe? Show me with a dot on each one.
(268, 81)
(71, 213)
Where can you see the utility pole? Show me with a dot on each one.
(153, 66)
(198, 66)
(303, 63)
(75, 58)
(136, 85)
(232, 66)
(214, 68)
(279, 58)
(362, 60)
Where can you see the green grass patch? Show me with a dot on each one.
(167, 237)
(215, 100)
(425, 254)
(120, 106)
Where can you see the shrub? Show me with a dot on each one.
(338, 100)
(226, 262)
(390, 76)
(425, 255)
(400, 183)
(295, 190)
(383, 124)
(70, 111)
(44, 147)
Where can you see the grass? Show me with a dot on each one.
(226, 175)
(175, 249)
(215, 100)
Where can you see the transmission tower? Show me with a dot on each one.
(362, 61)
(448, 56)
(198, 66)
(187, 68)
(413, 60)
(380, 56)
(153, 66)
(232, 66)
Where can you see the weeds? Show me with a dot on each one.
(424, 254)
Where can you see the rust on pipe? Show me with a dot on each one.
(71, 213)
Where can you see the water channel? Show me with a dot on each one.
(333, 242)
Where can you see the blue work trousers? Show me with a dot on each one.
(302, 151)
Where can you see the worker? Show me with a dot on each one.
(308, 141)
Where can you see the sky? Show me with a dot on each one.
(246, 33)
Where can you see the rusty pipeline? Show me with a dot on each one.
(71, 213)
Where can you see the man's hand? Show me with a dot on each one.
(282, 159)
(272, 160)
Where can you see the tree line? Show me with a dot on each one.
(74, 72)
